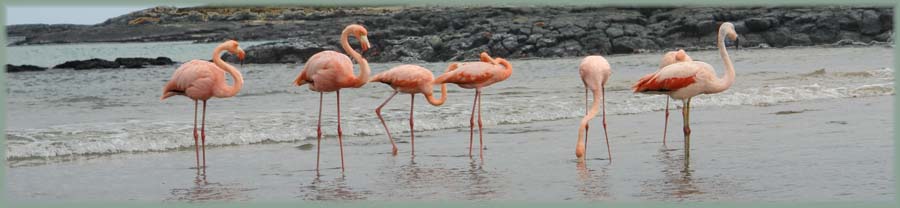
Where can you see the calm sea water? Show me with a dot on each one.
(65, 112)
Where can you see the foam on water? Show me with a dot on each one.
(75, 113)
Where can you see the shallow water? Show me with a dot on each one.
(800, 124)
(752, 155)
(67, 112)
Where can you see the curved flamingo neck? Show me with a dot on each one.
(225, 90)
(363, 63)
(506, 65)
(725, 82)
(437, 102)
(595, 108)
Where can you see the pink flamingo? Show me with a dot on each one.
(684, 80)
(595, 71)
(201, 80)
(329, 71)
(668, 59)
(409, 79)
(477, 75)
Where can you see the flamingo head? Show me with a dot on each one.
(730, 33)
(486, 58)
(674, 57)
(240, 55)
(680, 55)
(361, 34)
(234, 48)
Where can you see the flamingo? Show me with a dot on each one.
(329, 71)
(409, 79)
(668, 59)
(684, 80)
(201, 80)
(594, 72)
(477, 75)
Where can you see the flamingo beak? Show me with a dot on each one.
(737, 42)
(364, 41)
(241, 55)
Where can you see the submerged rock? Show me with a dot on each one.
(138, 62)
(131, 62)
(94, 63)
(23, 68)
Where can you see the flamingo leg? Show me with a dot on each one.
(586, 125)
(480, 131)
(378, 112)
(339, 131)
(412, 135)
(608, 150)
(687, 131)
(319, 133)
(472, 123)
(203, 134)
(196, 136)
(666, 127)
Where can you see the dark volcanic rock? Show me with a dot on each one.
(94, 63)
(758, 24)
(23, 68)
(870, 23)
(138, 62)
(411, 34)
(290, 51)
(632, 45)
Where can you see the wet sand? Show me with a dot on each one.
(816, 150)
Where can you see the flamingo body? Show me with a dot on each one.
(472, 75)
(407, 79)
(328, 71)
(196, 79)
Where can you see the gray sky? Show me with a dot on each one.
(66, 14)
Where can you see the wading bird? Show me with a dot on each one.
(594, 71)
(201, 80)
(684, 80)
(330, 71)
(668, 59)
(477, 75)
(410, 79)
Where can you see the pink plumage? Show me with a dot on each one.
(477, 75)
(410, 79)
(594, 71)
(200, 80)
(330, 71)
(684, 80)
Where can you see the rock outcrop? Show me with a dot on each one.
(96, 63)
(23, 68)
(455, 33)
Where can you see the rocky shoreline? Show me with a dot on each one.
(415, 34)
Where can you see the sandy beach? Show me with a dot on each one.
(829, 150)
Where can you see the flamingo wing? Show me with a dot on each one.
(327, 71)
(471, 73)
(194, 79)
(404, 76)
(670, 78)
